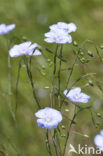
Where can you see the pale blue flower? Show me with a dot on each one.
(4, 29)
(75, 95)
(25, 48)
(98, 140)
(67, 27)
(48, 118)
(58, 36)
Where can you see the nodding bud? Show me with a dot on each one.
(63, 127)
(63, 135)
(101, 46)
(91, 83)
(66, 110)
(85, 135)
(75, 43)
(90, 54)
(24, 38)
(98, 114)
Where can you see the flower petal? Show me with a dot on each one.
(32, 51)
(19, 50)
(33, 46)
(11, 27)
(84, 98)
(4, 29)
(48, 125)
(98, 140)
(37, 52)
(101, 148)
(62, 24)
(71, 27)
(101, 132)
(54, 27)
(53, 113)
(15, 51)
(24, 45)
(49, 40)
(41, 113)
(72, 92)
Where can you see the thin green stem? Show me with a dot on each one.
(55, 56)
(53, 77)
(30, 62)
(54, 143)
(68, 133)
(59, 75)
(17, 83)
(48, 143)
(58, 143)
(9, 88)
(9, 81)
(98, 54)
(93, 120)
(70, 74)
(82, 77)
(31, 81)
(72, 68)
(48, 50)
(71, 123)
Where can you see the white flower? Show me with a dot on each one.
(58, 36)
(48, 118)
(75, 95)
(67, 27)
(25, 48)
(4, 29)
(98, 140)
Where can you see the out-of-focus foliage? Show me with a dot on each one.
(32, 18)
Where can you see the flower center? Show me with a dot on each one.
(66, 28)
(76, 96)
(47, 119)
(57, 39)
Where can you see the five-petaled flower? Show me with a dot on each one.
(4, 29)
(75, 95)
(59, 33)
(25, 48)
(98, 140)
(48, 118)
(58, 36)
(67, 27)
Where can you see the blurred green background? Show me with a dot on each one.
(32, 18)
